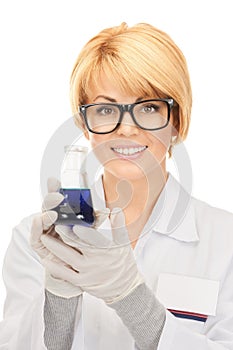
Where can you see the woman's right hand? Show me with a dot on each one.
(43, 224)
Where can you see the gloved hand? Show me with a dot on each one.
(43, 224)
(103, 267)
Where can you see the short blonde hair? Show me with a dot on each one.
(141, 60)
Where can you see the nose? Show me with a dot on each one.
(127, 127)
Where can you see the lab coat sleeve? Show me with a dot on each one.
(217, 332)
(23, 325)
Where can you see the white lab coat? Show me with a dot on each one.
(184, 237)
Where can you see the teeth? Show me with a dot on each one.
(130, 151)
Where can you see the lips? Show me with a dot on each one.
(129, 152)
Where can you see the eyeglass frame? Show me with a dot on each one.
(123, 108)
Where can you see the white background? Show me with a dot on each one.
(39, 44)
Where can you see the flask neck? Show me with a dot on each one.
(73, 179)
(74, 161)
(73, 175)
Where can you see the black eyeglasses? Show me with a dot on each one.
(104, 118)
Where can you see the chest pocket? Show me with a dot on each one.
(190, 299)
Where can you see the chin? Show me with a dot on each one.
(125, 169)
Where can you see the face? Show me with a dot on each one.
(128, 152)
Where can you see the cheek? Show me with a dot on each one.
(160, 141)
(94, 139)
(96, 142)
(100, 147)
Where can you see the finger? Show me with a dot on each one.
(60, 271)
(60, 287)
(101, 216)
(91, 236)
(35, 241)
(52, 200)
(48, 219)
(64, 252)
(53, 184)
(68, 236)
(65, 230)
(119, 230)
(36, 230)
(72, 243)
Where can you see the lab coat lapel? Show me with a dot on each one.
(173, 214)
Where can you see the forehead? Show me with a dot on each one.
(120, 91)
(106, 89)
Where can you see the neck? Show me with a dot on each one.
(136, 197)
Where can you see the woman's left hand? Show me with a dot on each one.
(106, 268)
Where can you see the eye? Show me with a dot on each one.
(150, 108)
(105, 110)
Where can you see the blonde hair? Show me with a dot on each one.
(140, 60)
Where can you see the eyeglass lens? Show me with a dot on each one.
(148, 114)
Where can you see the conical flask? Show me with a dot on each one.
(76, 208)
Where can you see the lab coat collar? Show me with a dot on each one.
(173, 214)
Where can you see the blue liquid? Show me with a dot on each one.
(76, 208)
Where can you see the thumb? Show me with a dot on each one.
(101, 216)
(53, 184)
(119, 230)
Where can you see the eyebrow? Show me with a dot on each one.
(113, 99)
(105, 97)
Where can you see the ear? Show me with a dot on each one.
(80, 124)
(86, 134)
(174, 131)
(175, 121)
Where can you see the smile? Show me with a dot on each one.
(129, 151)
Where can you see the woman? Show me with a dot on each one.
(155, 271)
